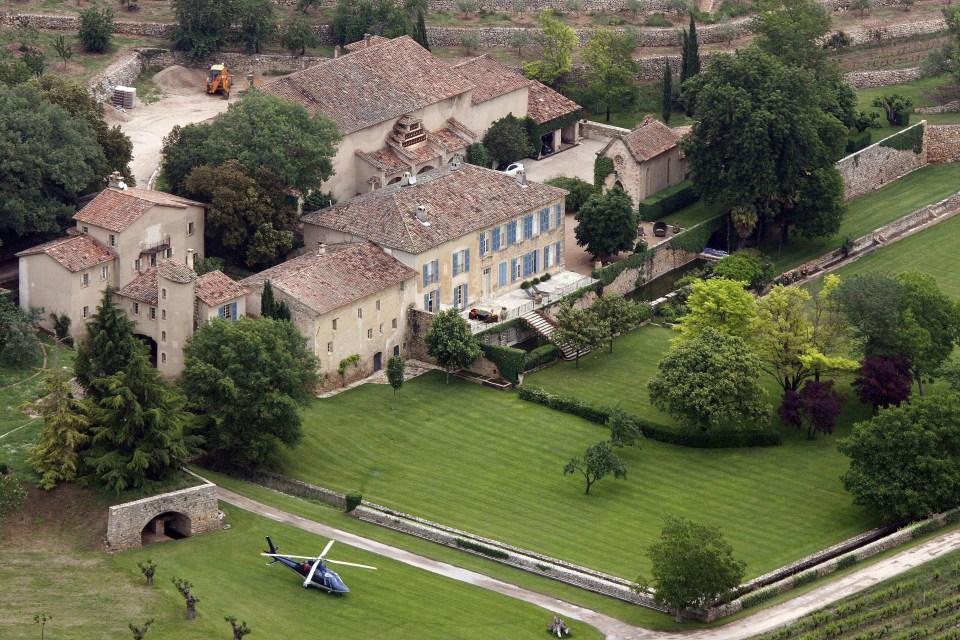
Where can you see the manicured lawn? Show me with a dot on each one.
(485, 461)
(916, 91)
(694, 214)
(864, 214)
(934, 250)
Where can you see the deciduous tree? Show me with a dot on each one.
(598, 461)
(611, 69)
(249, 378)
(692, 565)
(56, 455)
(184, 587)
(624, 430)
(148, 569)
(579, 191)
(450, 341)
(719, 304)
(607, 223)
(506, 140)
(557, 42)
(19, 345)
(96, 29)
(884, 382)
(618, 315)
(139, 633)
(258, 23)
(203, 26)
(816, 404)
(64, 48)
(905, 462)
(296, 35)
(710, 379)
(579, 329)
(239, 630)
(895, 106)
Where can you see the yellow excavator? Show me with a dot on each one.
(219, 81)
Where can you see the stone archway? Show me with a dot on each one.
(169, 525)
(425, 169)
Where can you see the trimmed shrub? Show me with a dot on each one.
(857, 141)
(353, 498)
(580, 191)
(668, 201)
(924, 528)
(477, 154)
(804, 578)
(479, 548)
(755, 598)
(509, 360)
(544, 277)
(952, 516)
(526, 284)
(846, 561)
(541, 356)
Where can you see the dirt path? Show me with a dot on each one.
(612, 628)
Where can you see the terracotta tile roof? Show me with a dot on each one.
(74, 252)
(343, 274)
(458, 202)
(461, 129)
(491, 77)
(362, 44)
(372, 85)
(176, 272)
(215, 288)
(448, 139)
(385, 160)
(650, 139)
(394, 159)
(143, 288)
(116, 209)
(545, 104)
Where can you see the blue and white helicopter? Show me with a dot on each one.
(313, 570)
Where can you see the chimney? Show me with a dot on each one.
(366, 40)
(407, 179)
(321, 249)
(521, 178)
(337, 52)
(115, 181)
(422, 214)
(455, 162)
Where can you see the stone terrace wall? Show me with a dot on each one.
(882, 78)
(861, 35)
(199, 504)
(942, 143)
(529, 6)
(877, 165)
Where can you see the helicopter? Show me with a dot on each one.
(313, 570)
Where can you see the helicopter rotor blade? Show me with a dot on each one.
(313, 570)
(326, 549)
(350, 564)
(284, 555)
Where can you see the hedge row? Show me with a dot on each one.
(609, 273)
(695, 239)
(755, 598)
(668, 201)
(541, 356)
(509, 360)
(858, 141)
(652, 430)
(480, 548)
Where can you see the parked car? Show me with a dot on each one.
(513, 169)
(482, 315)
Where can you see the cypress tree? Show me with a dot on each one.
(693, 65)
(420, 31)
(281, 311)
(111, 344)
(267, 302)
(667, 91)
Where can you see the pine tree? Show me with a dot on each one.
(138, 424)
(56, 456)
(667, 91)
(267, 301)
(420, 31)
(111, 344)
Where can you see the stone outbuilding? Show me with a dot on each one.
(646, 160)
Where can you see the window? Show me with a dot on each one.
(136, 265)
(86, 311)
(86, 229)
(460, 296)
(163, 358)
(335, 323)
(85, 280)
(104, 272)
(461, 261)
(163, 336)
(544, 220)
(163, 293)
(495, 239)
(189, 228)
(431, 273)
(168, 253)
(431, 301)
(136, 308)
(378, 305)
(514, 270)
(153, 260)
(163, 314)
(393, 323)
(512, 232)
(546, 256)
(113, 240)
(360, 312)
(502, 274)
(329, 347)
(558, 214)
(483, 242)
(528, 226)
(228, 311)
(195, 259)
(153, 313)
(528, 267)
(396, 350)
(381, 328)
(369, 334)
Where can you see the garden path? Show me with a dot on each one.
(614, 629)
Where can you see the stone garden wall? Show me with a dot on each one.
(942, 143)
(882, 78)
(199, 504)
(871, 168)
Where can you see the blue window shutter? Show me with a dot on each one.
(502, 275)
(483, 241)
(536, 260)
(513, 270)
(557, 257)
(456, 262)
(466, 260)
(426, 274)
(495, 240)
(233, 310)
(466, 297)
(512, 232)
(426, 302)
(559, 214)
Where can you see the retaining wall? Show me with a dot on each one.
(942, 143)
(882, 78)
(199, 504)
(869, 169)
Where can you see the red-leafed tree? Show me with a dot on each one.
(816, 404)
(883, 382)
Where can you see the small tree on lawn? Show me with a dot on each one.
(184, 587)
(611, 69)
(56, 456)
(580, 329)
(64, 49)
(239, 630)
(518, 40)
(258, 23)
(449, 341)
(624, 430)
(139, 633)
(96, 28)
(42, 619)
(598, 461)
(883, 382)
(692, 564)
(861, 5)
(816, 404)
(894, 106)
(607, 223)
(296, 35)
(148, 569)
(395, 370)
(618, 315)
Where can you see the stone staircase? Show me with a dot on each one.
(545, 329)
